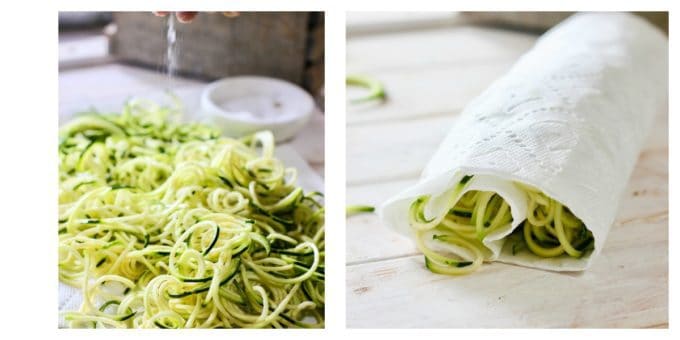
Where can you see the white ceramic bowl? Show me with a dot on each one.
(243, 105)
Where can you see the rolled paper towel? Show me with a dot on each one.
(533, 170)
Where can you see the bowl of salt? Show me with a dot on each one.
(246, 104)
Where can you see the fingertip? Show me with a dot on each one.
(186, 17)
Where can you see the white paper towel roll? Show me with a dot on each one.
(569, 118)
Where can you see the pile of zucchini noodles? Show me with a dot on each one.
(550, 229)
(170, 225)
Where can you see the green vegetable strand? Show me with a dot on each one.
(376, 90)
(352, 210)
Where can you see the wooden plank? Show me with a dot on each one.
(367, 238)
(363, 23)
(392, 150)
(428, 48)
(427, 91)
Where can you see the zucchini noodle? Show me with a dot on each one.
(550, 229)
(169, 225)
(376, 90)
(352, 210)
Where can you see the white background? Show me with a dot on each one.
(28, 165)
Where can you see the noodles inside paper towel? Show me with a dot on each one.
(549, 230)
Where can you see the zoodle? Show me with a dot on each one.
(376, 90)
(171, 225)
(453, 242)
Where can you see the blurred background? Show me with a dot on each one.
(532, 22)
(286, 45)
(106, 58)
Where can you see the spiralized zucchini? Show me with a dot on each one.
(550, 229)
(170, 225)
(376, 90)
(352, 210)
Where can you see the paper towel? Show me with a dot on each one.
(569, 118)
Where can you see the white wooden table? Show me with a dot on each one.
(429, 76)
